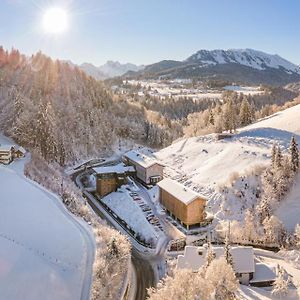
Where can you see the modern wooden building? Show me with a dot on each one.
(187, 206)
(110, 178)
(148, 169)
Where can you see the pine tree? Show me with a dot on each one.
(211, 118)
(294, 154)
(273, 155)
(245, 113)
(210, 254)
(227, 254)
(281, 285)
(278, 158)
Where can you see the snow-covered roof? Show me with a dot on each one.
(141, 159)
(6, 147)
(21, 149)
(119, 169)
(179, 191)
(194, 258)
(263, 273)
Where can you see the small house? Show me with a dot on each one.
(184, 204)
(110, 178)
(19, 152)
(243, 260)
(148, 169)
(6, 154)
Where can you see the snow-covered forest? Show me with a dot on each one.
(64, 114)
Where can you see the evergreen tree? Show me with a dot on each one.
(294, 154)
(278, 158)
(273, 156)
(210, 254)
(227, 254)
(245, 113)
(281, 285)
(211, 118)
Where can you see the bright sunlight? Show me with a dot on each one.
(55, 20)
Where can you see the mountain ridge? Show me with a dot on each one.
(109, 70)
(236, 65)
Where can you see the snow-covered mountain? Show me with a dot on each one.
(114, 68)
(246, 66)
(247, 57)
(109, 69)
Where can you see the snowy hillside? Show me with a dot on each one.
(206, 161)
(247, 57)
(206, 164)
(43, 249)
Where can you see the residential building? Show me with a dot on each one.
(148, 169)
(110, 178)
(184, 204)
(6, 154)
(243, 260)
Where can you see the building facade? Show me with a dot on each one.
(148, 169)
(109, 179)
(6, 154)
(187, 206)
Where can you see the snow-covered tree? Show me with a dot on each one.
(210, 254)
(294, 154)
(227, 254)
(273, 155)
(281, 285)
(222, 277)
(278, 158)
(297, 235)
(245, 116)
(274, 230)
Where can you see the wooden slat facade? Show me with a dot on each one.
(189, 214)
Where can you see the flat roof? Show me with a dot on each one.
(179, 191)
(118, 169)
(141, 159)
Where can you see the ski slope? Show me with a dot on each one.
(44, 252)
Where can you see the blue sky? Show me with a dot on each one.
(144, 32)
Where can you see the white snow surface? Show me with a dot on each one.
(129, 211)
(205, 164)
(42, 251)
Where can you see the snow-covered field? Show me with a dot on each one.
(124, 206)
(207, 164)
(43, 250)
(247, 90)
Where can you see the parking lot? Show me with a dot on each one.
(147, 211)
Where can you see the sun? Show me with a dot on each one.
(55, 20)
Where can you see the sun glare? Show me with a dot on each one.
(55, 20)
